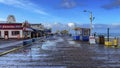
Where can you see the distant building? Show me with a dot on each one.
(37, 26)
(38, 30)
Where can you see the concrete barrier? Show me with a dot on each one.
(25, 42)
(33, 40)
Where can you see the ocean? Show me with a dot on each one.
(113, 32)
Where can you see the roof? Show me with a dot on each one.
(9, 23)
(79, 28)
(27, 29)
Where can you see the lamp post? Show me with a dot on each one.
(91, 19)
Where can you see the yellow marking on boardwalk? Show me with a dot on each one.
(14, 49)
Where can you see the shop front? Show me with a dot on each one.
(27, 33)
(13, 30)
(83, 35)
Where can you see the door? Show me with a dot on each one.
(6, 34)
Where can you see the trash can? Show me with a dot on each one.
(101, 39)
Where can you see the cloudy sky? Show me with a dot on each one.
(62, 11)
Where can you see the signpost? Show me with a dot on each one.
(92, 40)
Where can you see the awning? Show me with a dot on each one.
(27, 29)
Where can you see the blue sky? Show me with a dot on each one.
(62, 11)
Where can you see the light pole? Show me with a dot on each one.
(91, 19)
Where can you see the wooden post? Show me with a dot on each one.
(107, 34)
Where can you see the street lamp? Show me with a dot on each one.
(91, 19)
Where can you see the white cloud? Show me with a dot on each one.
(71, 25)
(47, 25)
(115, 24)
(24, 4)
(40, 12)
(67, 4)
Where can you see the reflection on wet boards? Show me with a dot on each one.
(92, 40)
(35, 51)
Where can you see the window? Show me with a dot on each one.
(15, 32)
(86, 31)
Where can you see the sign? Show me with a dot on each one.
(92, 40)
(10, 26)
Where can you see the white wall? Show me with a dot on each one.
(2, 34)
(10, 33)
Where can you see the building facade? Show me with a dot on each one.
(14, 30)
(37, 26)
(38, 30)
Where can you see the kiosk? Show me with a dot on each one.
(76, 36)
(84, 34)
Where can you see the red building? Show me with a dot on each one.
(15, 30)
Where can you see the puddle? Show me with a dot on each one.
(69, 39)
(100, 58)
(73, 43)
(59, 40)
(49, 45)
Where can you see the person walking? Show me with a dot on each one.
(95, 37)
(95, 34)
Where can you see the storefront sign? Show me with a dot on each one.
(10, 26)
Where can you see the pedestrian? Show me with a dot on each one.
(94, 34)
(95, 37)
